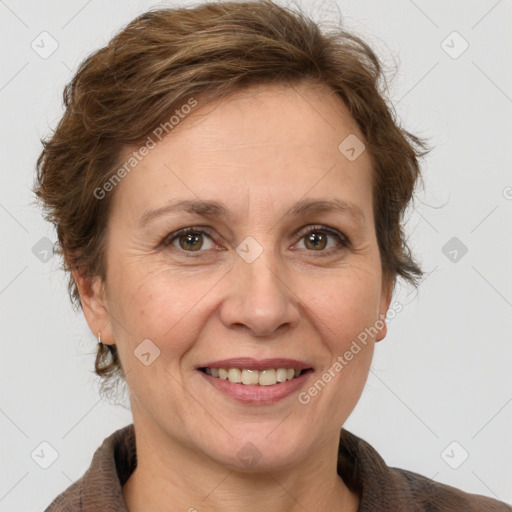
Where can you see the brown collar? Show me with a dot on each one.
(380, 487)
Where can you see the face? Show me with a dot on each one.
(279, 260)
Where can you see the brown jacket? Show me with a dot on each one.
(381, 488)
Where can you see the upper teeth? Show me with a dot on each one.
(261, 377)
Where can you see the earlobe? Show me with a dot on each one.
(383, 328)
(92, 298)
(387, 293)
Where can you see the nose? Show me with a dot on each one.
(258, 298)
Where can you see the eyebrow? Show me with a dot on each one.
(205, 208)
(218, 210)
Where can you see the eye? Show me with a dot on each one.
(322, 239)
(314, 239)
(190, 240)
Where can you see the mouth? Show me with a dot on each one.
(251, 372)
(252, 377)
(256, 383)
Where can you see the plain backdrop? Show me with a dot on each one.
(438, 400)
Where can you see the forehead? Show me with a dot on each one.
(263, 142)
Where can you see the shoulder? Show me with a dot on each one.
(100, 487)
(390, 489)
(430, 496)
(69, 500)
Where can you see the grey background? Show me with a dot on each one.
(443, 372)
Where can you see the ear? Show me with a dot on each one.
(385, 301)
(92, 298)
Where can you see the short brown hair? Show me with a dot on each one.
(121, 92)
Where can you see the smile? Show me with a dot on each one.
(255, 393)
(249, 377)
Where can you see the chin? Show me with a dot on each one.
(260, 448)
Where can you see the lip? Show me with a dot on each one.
(254, 394)
(249, 363)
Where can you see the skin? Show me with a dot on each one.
(258, 152)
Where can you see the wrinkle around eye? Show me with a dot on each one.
(337, 241)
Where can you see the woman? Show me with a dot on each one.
(227, 185)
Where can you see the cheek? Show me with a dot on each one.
(347, 305)
(158, 305)
(170, 317)
(347, 314)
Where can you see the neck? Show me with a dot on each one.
(176, 476)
